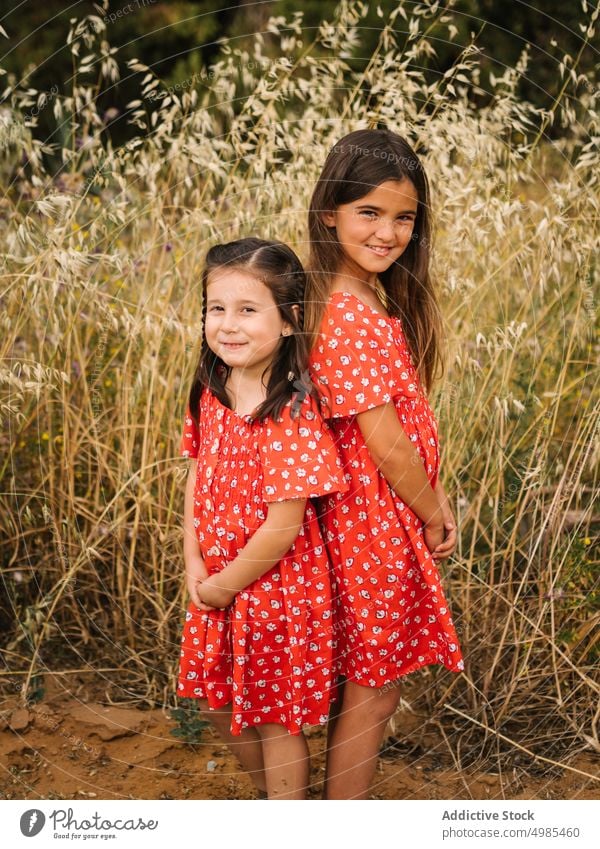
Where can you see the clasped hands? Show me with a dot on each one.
(441, 539)
(206, 590)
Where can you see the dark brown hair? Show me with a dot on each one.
(356, 165)
(278, 267)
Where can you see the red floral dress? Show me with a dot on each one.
(270, 652)
(391, 615)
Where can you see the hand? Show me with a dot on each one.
(195, 573)
(448, 546)
(214, 595)
(434, 536)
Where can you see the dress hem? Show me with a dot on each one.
(415, 667)
(239, 727)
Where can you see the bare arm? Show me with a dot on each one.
(263, 550)
(448, 546)
(401, 465)
(195, 570)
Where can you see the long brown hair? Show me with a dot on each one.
(278, 267)
(358, 163)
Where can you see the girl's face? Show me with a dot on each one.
(375, 230)
(243, 323)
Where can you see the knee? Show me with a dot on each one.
(270, 731)
(384, 709)
(378, 705)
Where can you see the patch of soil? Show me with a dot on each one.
(70, 747)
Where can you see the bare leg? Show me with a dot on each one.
(355, 739)
(286, 762)
(246, 747)
(336, 707)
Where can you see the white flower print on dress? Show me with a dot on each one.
(370, 365)
(229, 651)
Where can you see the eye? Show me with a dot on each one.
(369, 214)
(215, 308)
(406, 219)
(248, 309)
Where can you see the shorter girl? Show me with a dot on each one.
(257, 641)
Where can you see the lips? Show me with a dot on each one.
(380, 250)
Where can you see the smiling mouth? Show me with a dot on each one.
(233, 345)
(380, 250)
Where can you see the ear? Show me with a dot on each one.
(287, 329)
(328, 218)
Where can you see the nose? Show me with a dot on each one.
(385, 230)
(229, 322)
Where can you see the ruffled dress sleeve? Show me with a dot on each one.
(356, 364)
(190, 437)
(298, 456)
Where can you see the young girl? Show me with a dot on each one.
(372, 314)
(257, 641)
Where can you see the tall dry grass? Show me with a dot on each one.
(100, 310)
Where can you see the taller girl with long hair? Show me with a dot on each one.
(372, 316)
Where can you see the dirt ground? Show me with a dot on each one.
(73, 745)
